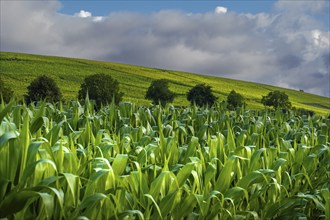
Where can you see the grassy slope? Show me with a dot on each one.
(18, 70)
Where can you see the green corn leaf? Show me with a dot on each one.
(284, 205)
(48, 202)
(36, 125)
(237, 194)
(30, 168)
(32, 151)
(6, 110)
(72, 181)
(156, 185)
(184, 173)
(92, 200)
(278, 163)
(128, 213)
(185, 207)
(7, 136)
(155, 204)
(225, 177)
(16, 201)
(168, 203)
(230, 139)
(119, 164)
(326, 196)
(249, 179)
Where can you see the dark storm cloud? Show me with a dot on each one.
(286, 47)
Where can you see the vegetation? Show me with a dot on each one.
(159, 92)
(18, 70)
(43, 88)
(301, 111)
(101, 88)
(5, 92)
(201, 95)
(234, 100)
(129, 162)
(277, 99)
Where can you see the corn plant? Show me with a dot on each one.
(68, 161)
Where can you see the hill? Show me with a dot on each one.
(18, 70)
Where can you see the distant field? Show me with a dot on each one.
(18, 70)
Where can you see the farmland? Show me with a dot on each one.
(18, 70)
(68, 161)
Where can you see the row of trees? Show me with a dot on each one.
(202, 94)
(103, 89)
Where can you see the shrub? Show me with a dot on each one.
(5, 92)
(302, 111)
(43, 88)
(158, 92)
(201, 95)
(277, 99)
(234, 100)
(101, 88)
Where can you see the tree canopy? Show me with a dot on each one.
(43, 88)
(159, 92)
(234, 100)
(201, 94)
(277, 99)
(101, 88)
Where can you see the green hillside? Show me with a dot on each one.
(18, 70)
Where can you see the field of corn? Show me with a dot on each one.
(129, 162)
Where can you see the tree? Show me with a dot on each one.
(5, 92)
(43, 88)
(235, 100)
(302, 111)
(201, 95)
(101, 88)
(159, 92)
(277, 99)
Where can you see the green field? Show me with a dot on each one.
(135, 162)
(18, 70)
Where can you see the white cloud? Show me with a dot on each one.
(220, 10)
(97, 18)
(87, 14)
(284, 47)
(83, 14)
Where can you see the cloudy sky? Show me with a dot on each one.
(283, 43)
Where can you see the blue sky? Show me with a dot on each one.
(102, 8)
(282, 43)
(105, 7)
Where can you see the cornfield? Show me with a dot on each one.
(68, 161)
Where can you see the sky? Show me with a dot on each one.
(282, 43)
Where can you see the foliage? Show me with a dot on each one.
(18, 70)
(5, 92)
(201, 95)
(234, 100)
(43, 87)
(277, 99)
(101, 88)
(302, 111)
(130, 162)
(159, 92)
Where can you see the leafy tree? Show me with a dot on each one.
(101, 88)
(43, 87)
(277, 99)
(201, 94)
(158, 91)
(302, 111)
(5, 92)
(235, 100)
